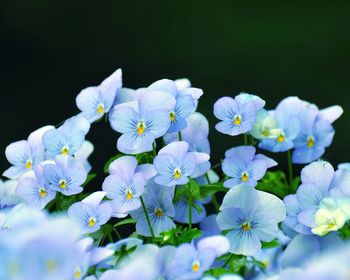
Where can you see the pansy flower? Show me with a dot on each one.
(35, 190)
(91, 213)
(160, 209)
(319, 182)
(8, 196)
(244, 167)
(237, 115)
(142, 121)
(196, 135)
(95, 101)
(67, 139)
(65, 176)
(175, 164)
(126, 184)
(250, 217)
(25, 154)
(186, 102)
(190, 262)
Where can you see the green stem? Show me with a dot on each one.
(180, 136)
(245, 139)
(154, 149)
(215, 202)
(147, 218)
(227, 261)
(117, 233)
(189, 207)
(110, 238)
(290, 168)
(207, 177)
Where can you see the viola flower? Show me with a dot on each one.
(25, 154)
(237, 115)
(244, 167)
(35, 190)
(287, 115)
(319, 182)
(175, 164)
(250, 216)
(344, 166)
(315, 135)
(83, 154)
(265, 126)
(94, 102)
(190, 262)
(160, 209)
(67, 139)
(65, 176)
(8, 196)
(196, 135)
(142, 121)
(91, 213)
(126, 184)
(186, 102)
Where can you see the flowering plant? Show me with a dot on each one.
(186, 219)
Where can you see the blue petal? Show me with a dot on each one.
(246, 153)
(124, 119)
(244, 243)
(124, 166)
(224, 109)
(130, 143)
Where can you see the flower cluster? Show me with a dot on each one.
(163, 211)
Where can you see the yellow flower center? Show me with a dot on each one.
(245, 177)
(129, 195)
(310, 142)
(331, 225)
(246, 226)
(281, 138)
(195, 266)
(237, 120)
(172, 116)
(77, 273)
(100, 108)
(91, 222)
(63, 184)
(29, 164)
(159, 212)
(141, 128)
(177, 173)
(51, 265)
(42, 192)
(65, 150)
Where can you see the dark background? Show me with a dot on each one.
(50, 50)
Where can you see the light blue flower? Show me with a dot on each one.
(250, 216)
(265, 126)
(237, 115)
(186, 102)
(142, 121)
(35, 190)
(25, 154)
(83, 154)
(89, 256)
(287, 115)
(345, 166)
(196, 135)
(319, 181)
(175, 164)
(126, 184)
(65, 176)
(160, 209)
(8, 196)
(244, 167)
(315, 135)
(190, 262)
(67, 139)
(91, 213)
(94, 102)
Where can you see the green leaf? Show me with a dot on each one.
(194, 189)
(217, 272)
(274, 183)
(179, 192)
(144, 158)
(89, 178)
(179, 235)
(344, 232)
(108, 163)
(272, 244)
(125, 222)
(207, 190)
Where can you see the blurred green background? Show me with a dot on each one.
(50, 50)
